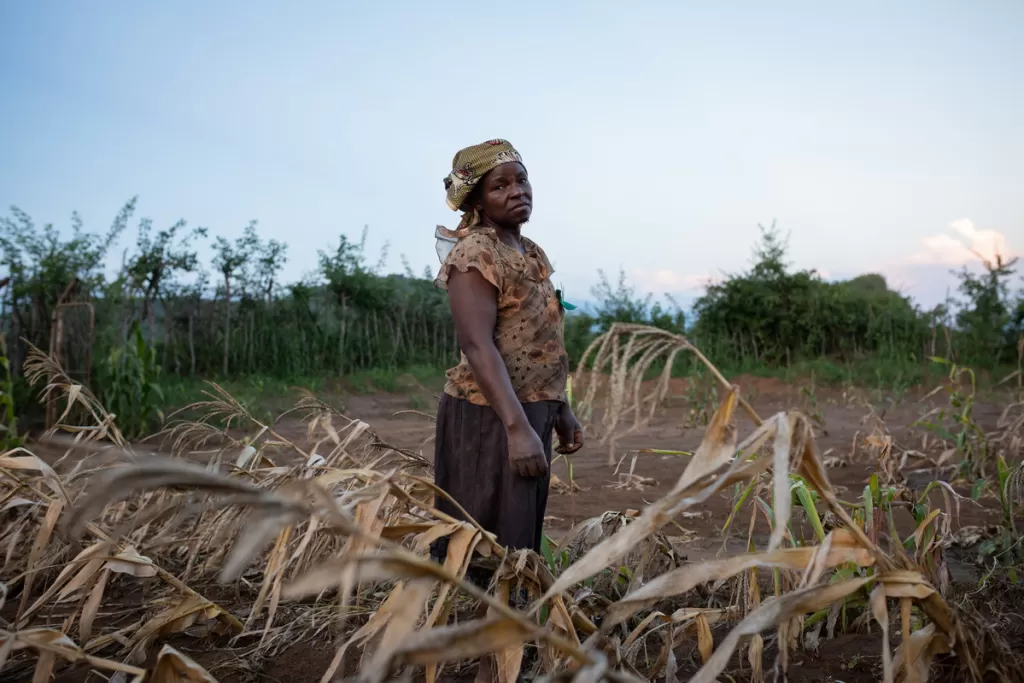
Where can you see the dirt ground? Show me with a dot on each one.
(600, 488)
(853, 658)
(403, 420)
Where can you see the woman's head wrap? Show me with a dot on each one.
(469, 166)
(472, 164)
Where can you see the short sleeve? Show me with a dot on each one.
(477, 251)
(547, 270)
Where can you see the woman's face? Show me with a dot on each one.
(506, 197)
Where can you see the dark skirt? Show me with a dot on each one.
(471, 465)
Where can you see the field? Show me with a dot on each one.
(685, 541)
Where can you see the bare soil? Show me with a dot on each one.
(843, 421)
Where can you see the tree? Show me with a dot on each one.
(773, 314)
(42, 266)
(622, 305)
(159, 258)
(987, 315)
(270, 259)
(869, 283)
(770, 254)
(352, 283)
(229, 259)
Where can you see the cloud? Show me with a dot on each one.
(926, 274)
(962, 247)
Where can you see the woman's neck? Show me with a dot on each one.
(510, 235)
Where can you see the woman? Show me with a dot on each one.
(507, 395)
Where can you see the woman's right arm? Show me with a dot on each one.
(474, 304)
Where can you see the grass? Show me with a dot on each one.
(878, 373)
(892, 377)
(393, 381)
(267, 395)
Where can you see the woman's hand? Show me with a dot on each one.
(569, 430)
(526, 452)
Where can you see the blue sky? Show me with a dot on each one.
(883, 136)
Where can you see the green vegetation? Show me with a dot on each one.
(772, 320)
(167, 319)
(8, 419)
(129, 382)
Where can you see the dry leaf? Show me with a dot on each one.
(174, 667)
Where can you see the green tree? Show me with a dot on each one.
(772, 315)
(352, 284)
(988, 314)
(229, 258)
(158, 259)
(621, 304)
(43, 267)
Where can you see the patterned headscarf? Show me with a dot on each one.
(468, 167)
(472, 164)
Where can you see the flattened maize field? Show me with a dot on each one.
(728, 529)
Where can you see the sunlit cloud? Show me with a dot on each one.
(963, 244)
(926, 273)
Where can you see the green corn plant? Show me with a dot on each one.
(568, 461)
(955, 422)
(702, 398)
(1006, 547)
(877, 506)
(807, 499)
(545, 550)
(9, 426)
(925, 541)
(129, 382)
(556, 563)
(814, 408)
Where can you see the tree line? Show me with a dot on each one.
(231, 315)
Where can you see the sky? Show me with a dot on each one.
(880, 136)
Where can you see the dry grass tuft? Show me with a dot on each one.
(623, 356)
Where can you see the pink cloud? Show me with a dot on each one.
(926, 273)
(964, 246)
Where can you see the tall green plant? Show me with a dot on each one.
(955, 422)
(988, 318)
(1006, 545)
(9, 420)
(129, 385)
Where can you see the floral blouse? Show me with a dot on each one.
(528, 333)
